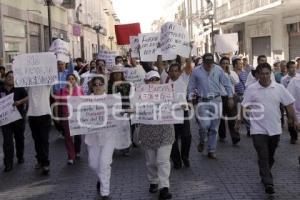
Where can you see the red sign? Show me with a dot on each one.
(124, 31)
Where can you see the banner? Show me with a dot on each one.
(174, 39)
(149, 46)
(35, 69)
(124, 31)
(154, 104)
(8, 113)
(109, 57)
(134, 45)
(61, 50)
(226, 43)
(134, 74)
(94, 114)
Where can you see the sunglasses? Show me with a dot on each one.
(154, 79)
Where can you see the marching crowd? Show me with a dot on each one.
(228, 91)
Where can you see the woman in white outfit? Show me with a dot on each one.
(100, 148)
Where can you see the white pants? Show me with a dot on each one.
(158, 165)
(100, 159)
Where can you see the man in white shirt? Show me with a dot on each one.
(40, 123)
(291, 69)
(181, 130)
(263, 99)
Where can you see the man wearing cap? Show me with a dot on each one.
(207, 80)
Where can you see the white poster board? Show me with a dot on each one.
(226, 43)
(174, 40)
(91, 114)
(149, 46)
(109, 57)
(35, 69)
(8, 113)
(134, 45)
(154, 104)
(61, 50)
(134, 74)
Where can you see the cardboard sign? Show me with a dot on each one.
(174, 40)
(149, 46)
(8, 113)
(61, 50)
(109, 57)
(35, 69)
(226, 43)
(134, 45)
(134, 74)
(154, 104)
(92, 114)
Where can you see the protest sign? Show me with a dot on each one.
(92, 114)
(61, 50)
(154, 104)
(134, 45)
(226, 43)
(35, 69)
(148, 46)
(8, 113)
(109, 57)
(174, 40)
(124, 31)
(134, 74)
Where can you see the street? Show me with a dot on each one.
(234, 175)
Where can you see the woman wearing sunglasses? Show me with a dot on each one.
(157, 141)
(101, 147)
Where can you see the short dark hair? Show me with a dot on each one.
(288, 64)
(175, 65)
(263, 66)
(117, 57)
(224, 58)
(2, 67)
(261, 56)
(102, 60)
(234, 62)
(8, 73)
(79, 60)
(98, 78)
(71, 75)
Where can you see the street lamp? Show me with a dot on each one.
(49, 3)
(111, 38)
(209, 18)
(98, 29)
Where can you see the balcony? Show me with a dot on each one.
(242, 8)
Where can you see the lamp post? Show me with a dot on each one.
(209, 18)
(98, 29)
(50, 3)
(111, 38)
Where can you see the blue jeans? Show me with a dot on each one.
(208, 116)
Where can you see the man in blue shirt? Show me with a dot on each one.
(206, 83)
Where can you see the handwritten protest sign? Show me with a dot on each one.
(61, 50)
(109, 57)
(174, 40)
(134, 74)
(148, 46)
(91, 114)
(134, 45)
(226, 43)
(8, 113)
(35, 69)
(154, 104)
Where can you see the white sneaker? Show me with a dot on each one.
(70, 162)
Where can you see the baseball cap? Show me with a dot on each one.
(208, 58)
(151, 74)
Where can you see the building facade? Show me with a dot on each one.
(270, 27)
